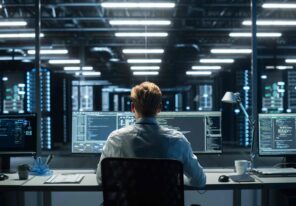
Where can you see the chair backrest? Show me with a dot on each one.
(142, 182)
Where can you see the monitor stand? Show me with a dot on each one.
(290, 161)
(5, 165)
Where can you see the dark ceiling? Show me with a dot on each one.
(197, 26)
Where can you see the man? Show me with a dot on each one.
(147, 139)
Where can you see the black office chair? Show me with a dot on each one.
(142, 182)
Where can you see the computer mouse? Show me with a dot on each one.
(223, 178)
(3, 177)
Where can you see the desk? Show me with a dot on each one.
(89, 183)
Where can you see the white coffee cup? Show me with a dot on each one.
(242, 166)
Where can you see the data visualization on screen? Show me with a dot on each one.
(202, 129)
(277, 134)
(17, 134)
(91, 129)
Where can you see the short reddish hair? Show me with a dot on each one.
(146, 98)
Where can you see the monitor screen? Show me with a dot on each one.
(277, 134)
(18, 134)
(202, 129)
(91, 129)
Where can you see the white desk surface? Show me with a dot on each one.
(89, 182)
(13, 180)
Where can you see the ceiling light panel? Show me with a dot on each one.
(231, 51)
(278, 6)
(198, 73)
(248, 34)
(71, 68)
(206, 67)
(137, 5)
(145, 67)
(91, 73)
(75, 68)
(142, 51)
(144, 61)
(50, 51)
(13, 23)
(140, 22)
(210, 61)
(19, 35)
(146, 73)
(141, 34)
(64, 61)
(280, 67)
(290, 61)
(271, 23)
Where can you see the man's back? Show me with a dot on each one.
(146, 139)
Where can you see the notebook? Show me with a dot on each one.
(289, 171)
(64, 179)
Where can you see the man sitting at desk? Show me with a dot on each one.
(147, 139)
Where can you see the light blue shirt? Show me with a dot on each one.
(147, 139)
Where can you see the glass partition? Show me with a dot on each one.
(93, 53)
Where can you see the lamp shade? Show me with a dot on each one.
(229, 97)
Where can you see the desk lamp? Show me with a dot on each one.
(234, 98)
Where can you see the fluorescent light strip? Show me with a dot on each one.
(231, 51)
(206, 67)
(140, 22)
(0, 6)
(64, 61)
(271, 23)
(141, 34)
(145, 73)
(136, 5)
(278, 6)
(198, 73)
(71, 68)
(144, 61)
(142, 51)
(145, 67)
(87, 68)
(216, 60)
(247, 34)
(91, 73)
(13, 23)
(5, 58)
(19, 35)
(290, 61)
(50, 51)
(282, 67)
(88, 73)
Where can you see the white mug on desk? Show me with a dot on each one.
(242, 166)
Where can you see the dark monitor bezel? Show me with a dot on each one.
(12, 152)
(260, 115)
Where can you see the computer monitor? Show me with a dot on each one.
(17, 137)
(277, 134)
(202, 129)
(91, 129)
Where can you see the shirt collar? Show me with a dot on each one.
(146, 120)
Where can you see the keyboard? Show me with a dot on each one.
(274, 172)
